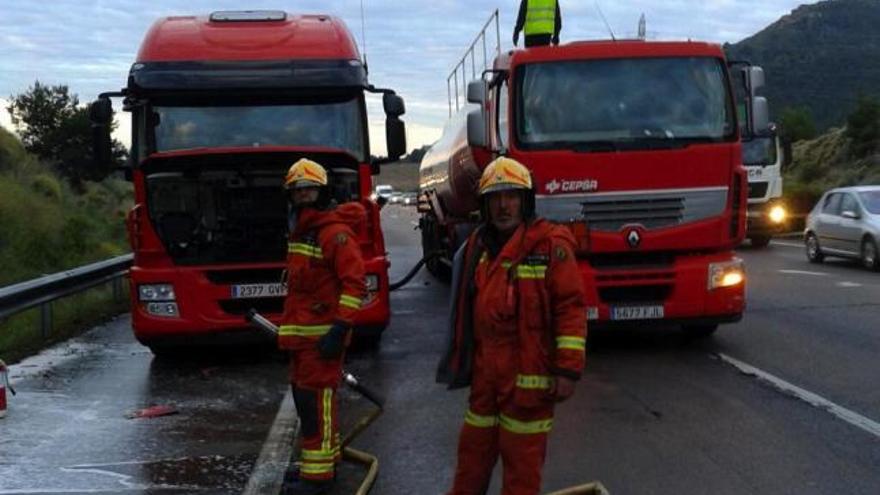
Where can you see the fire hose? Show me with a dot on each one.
(412, 273)
(348, 453)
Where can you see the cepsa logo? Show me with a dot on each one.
(571, 186)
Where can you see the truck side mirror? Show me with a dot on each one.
(759, 115)
(476, 128)
(754, 79)
(393, 105)
(395, 137)
(476, 92)
(101, 117)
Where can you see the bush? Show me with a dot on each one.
(47, 186)
(797, 123)
(863, 127)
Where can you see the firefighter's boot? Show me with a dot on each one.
(308, 487)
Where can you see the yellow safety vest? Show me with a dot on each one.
(540, 17)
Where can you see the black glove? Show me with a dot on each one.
(515, 38)
(556, 40)
(332, 343)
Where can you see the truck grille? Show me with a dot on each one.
(245, 276)
(610, 212)
(757, 189)
(635, 294)
(265, 306)
(611, 215)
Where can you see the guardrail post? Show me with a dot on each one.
(117, 289)
(46, 319)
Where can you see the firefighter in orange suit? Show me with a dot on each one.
(518, 334)
(325, 281)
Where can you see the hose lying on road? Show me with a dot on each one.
(412, 273)
(593, 488)
(348, 453)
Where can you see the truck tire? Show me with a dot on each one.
(431, 244)
(760, 241)
(699, 331)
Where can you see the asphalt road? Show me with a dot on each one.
(654, 413)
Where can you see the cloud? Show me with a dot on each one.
(5, 120)
(411, 46)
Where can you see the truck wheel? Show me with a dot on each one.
(814, 252)
(430, 244)
(699, 331)
(760, 241)
(870, 254)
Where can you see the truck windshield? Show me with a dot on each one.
(759, 151)
(623, 103)
(333, 124)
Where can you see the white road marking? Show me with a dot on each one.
(848, 284)
(814, 400)
(787, 244)
(268, 473)
(803, 272)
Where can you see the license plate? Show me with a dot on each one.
(636, 312)
(251, 291)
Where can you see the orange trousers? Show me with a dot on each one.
(314, 382)
(495, 425)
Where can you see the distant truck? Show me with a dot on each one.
(764, 158)
(384, 191)
(221, 105)
(635, 147)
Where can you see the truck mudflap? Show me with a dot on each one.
(674, 290)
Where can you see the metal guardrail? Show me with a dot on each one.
(42, 291)
(462, 64)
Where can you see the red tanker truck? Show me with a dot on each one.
(635, 146)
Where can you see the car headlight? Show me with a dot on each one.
(726, 274)
(777, 214)
(156, 292)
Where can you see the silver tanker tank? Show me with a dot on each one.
(449, 170)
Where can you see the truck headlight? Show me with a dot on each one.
(372, 288)
(156, 292)
(777, 214)
(726, 274)
(166, 309)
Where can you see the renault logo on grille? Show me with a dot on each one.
(633, 238)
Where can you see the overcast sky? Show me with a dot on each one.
(411, 45)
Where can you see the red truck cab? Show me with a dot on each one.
(222, 105)
(632, 144)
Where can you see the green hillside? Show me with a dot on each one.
(46, 227)
(821, 56)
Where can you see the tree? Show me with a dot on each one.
(797, 123)
(53, 126)
(863, 127)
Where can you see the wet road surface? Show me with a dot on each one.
(654, 413)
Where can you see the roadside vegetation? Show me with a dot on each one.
(55, 214)
(846, 156)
